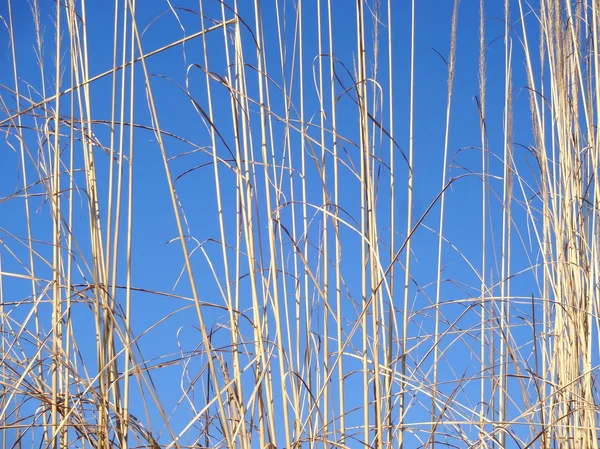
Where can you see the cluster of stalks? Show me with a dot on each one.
(314, 290)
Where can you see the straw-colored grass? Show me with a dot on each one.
(286, 224)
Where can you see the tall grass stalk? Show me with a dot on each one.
(286, 224)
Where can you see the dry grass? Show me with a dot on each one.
(344, 266)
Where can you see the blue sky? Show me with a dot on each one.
(157, 259)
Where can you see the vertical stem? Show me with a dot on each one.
(391, 308)
(409, 227)
(483, 292)
(56, 239)
(338, 245)
(436, 342)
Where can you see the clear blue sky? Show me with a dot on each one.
(157, 265)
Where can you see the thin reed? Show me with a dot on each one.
(299, 224)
